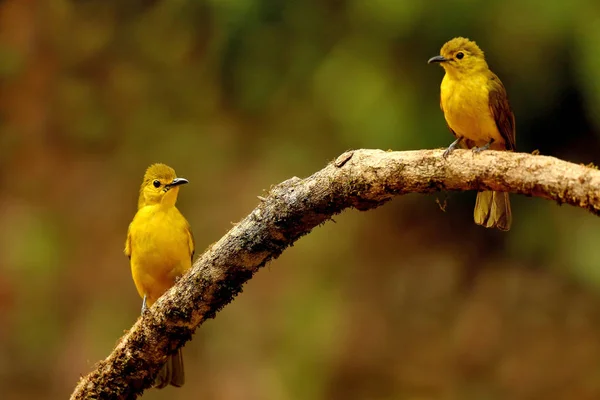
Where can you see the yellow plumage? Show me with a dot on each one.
(160, 247)
(478, 114)
(465, 103)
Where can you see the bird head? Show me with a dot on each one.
(460, 56)
(160, 186)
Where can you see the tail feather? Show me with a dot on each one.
(172, 372)
(178, 377)
(492, 210)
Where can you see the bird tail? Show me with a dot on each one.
(492, 210)
(172, 372)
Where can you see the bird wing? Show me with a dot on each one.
(501, 111)
(128, 243)
(191, 242)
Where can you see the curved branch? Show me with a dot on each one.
(362, 179)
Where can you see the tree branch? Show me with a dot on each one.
(363, 179)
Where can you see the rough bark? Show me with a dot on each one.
(362, 179)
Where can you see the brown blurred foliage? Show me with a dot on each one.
(404, 302)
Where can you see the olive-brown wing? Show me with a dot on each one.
(501, 111)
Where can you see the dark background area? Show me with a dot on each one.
(403, 302)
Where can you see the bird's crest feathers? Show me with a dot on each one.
(451, 47)
(162, 172)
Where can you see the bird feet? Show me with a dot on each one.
(451, 148)
(486, 146)
(144, 308)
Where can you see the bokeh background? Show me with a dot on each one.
(403, 302)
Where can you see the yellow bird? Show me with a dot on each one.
(478, 114)
(160, 247)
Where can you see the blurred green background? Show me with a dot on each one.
(403, 302)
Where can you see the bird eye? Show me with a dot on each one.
(156, 183)
(460, 55)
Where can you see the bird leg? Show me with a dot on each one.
(451, 148)
(484, 147)
(144, 308)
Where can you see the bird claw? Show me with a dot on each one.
(486, 146)
(144, 308)
(451, 148)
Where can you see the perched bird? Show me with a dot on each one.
(160, 247)
(478, 114)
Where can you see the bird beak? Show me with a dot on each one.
(178, 181)
(437, 59)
